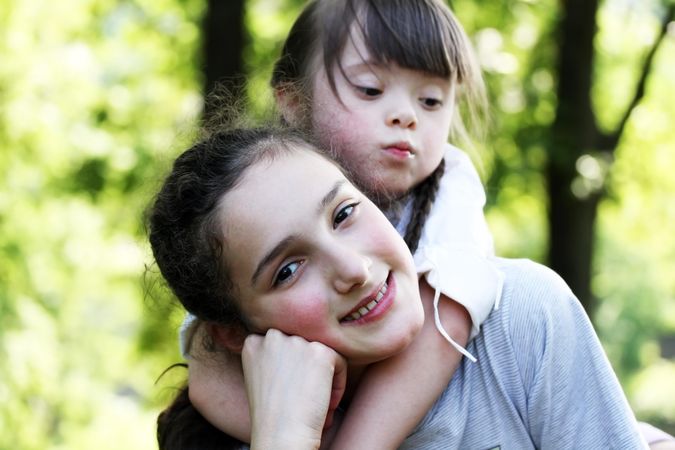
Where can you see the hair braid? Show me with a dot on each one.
(424, 196)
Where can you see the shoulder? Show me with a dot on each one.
(458, 160)
(529, 283)
(539, 316)
(536, 304)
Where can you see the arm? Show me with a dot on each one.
(394, 395)
(181, 427)
(217, 390)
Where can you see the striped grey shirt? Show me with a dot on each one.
(542, 379)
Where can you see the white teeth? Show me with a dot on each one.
(362, 311)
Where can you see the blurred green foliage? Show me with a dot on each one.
(92, 99)
(96, 97)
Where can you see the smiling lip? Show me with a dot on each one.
(400, 150)
(374, 306)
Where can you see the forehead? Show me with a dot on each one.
(298, 173)
(275, 198)
(355, 50)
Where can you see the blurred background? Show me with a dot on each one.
(98, 96)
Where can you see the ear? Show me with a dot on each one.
(230, 337)
(289, 103)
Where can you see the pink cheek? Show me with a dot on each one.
(304, 315)
(381, 240)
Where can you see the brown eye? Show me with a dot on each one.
(369, 91)
(431, 103)
(343, 214)
(287, 272)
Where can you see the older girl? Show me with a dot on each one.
(268, 243)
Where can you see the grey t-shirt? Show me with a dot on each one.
(542, 379)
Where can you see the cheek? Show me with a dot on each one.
(436, 140)
(303, 315)
(435, 149)
(335, 131)
(387, 242)
(381, 241)
(339, 130)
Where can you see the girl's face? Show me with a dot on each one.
(392, 124)
(310, 255)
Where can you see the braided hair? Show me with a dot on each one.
(423, 198)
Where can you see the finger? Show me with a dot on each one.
(339, 381)
(338, 387)
(252, 345)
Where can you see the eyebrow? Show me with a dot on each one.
(271, 255)
(325, 201)
(288, 240)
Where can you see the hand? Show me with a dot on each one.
(292, 386)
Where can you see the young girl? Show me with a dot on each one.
(314, 283)
(376, 83)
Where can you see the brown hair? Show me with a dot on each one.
(421, 35)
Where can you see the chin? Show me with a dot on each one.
(405, 337)
(383, 193)
(394, 345)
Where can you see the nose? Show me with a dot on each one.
(350, 270)
(402, 115)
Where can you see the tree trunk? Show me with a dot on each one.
(572, 233)
(573, 134)
(224, 39)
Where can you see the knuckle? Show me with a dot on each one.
(319, 350)
(273, 333)
(251, 343)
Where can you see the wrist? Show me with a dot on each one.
(286, 436)
(287, 441)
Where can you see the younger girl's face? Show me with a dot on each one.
(310, 255)
(389, 125)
